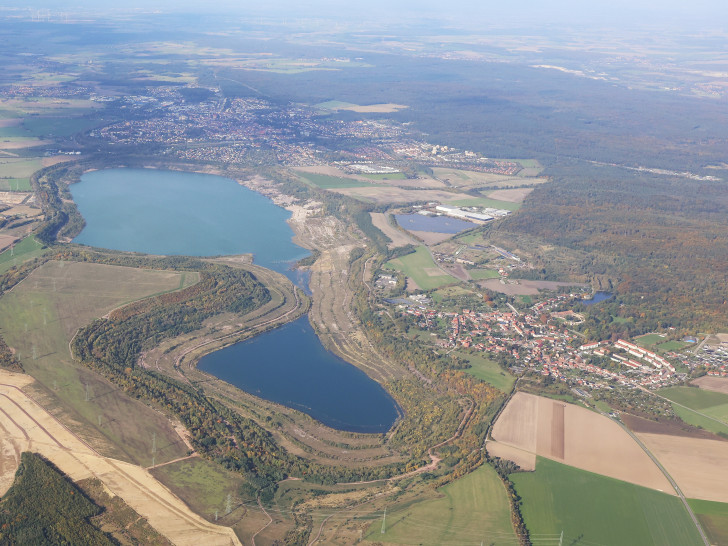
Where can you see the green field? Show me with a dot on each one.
(471, 510)
(649, 340)
(672, 345)
(479, 274)
(25, 250)
(57, 126)
(593, 509)
(485, 202)
(38, 319)
(713, 404)
(714, 518)
(326, 182)
(422, 269)
(489, 371)
(390, 176)
(15, 184)
(697, 420)
(202, 484)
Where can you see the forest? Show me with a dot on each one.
(45, 507)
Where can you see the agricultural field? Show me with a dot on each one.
(485, 202)
(711, 383)
(25, 250)
(459, 178)
(482, 274)
(712, 404)
(692, 417)
(696, 464)
(39, 317)
(472, 509)
(327, 182)
(398, 237)
(713, 517)
(593, 509)
(387, 176)
(577, 437)
(335, 105)
(488, 371)
(420, 267)
(202, 485)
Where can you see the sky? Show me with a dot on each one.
(693, 14)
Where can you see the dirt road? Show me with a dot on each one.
(26, 426)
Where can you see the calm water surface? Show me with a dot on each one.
(436, 224)
(596, 298)
(289, 365)
(170, 212)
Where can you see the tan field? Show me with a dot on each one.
(459, 178)
(697, 465)
(525, 459)
(27, 426)
(6, 241)
(399, 238)
(389, 194)
(577, 437)
(524, 287)
(431, 238)
(710, 383)
(515, 195)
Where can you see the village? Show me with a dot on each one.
(540, 338)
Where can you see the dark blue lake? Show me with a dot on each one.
(436, 224)
(596, 298)
(170, 212)
(290, 366)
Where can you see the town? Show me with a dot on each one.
(540, 338)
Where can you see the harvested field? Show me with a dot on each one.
(459, 178)
(31, 427)
(672, 427)
(516, 287)
(515, 195)
(526, 460)
(697, 465)
(399, 237)
(577, 437)
(382, 194)
(710, 383)
(6, 241)
(431, 238)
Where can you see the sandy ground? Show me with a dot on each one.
(516, 195)
(399, 238)
(578, 437)
(525, 459)
(12, 197)
(710, 383)
(20, 144)
(27, 426)
(524, 287)
(696, 464)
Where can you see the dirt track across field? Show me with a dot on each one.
(26, 426)
(578, 437)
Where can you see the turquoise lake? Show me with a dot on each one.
(171, 212)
